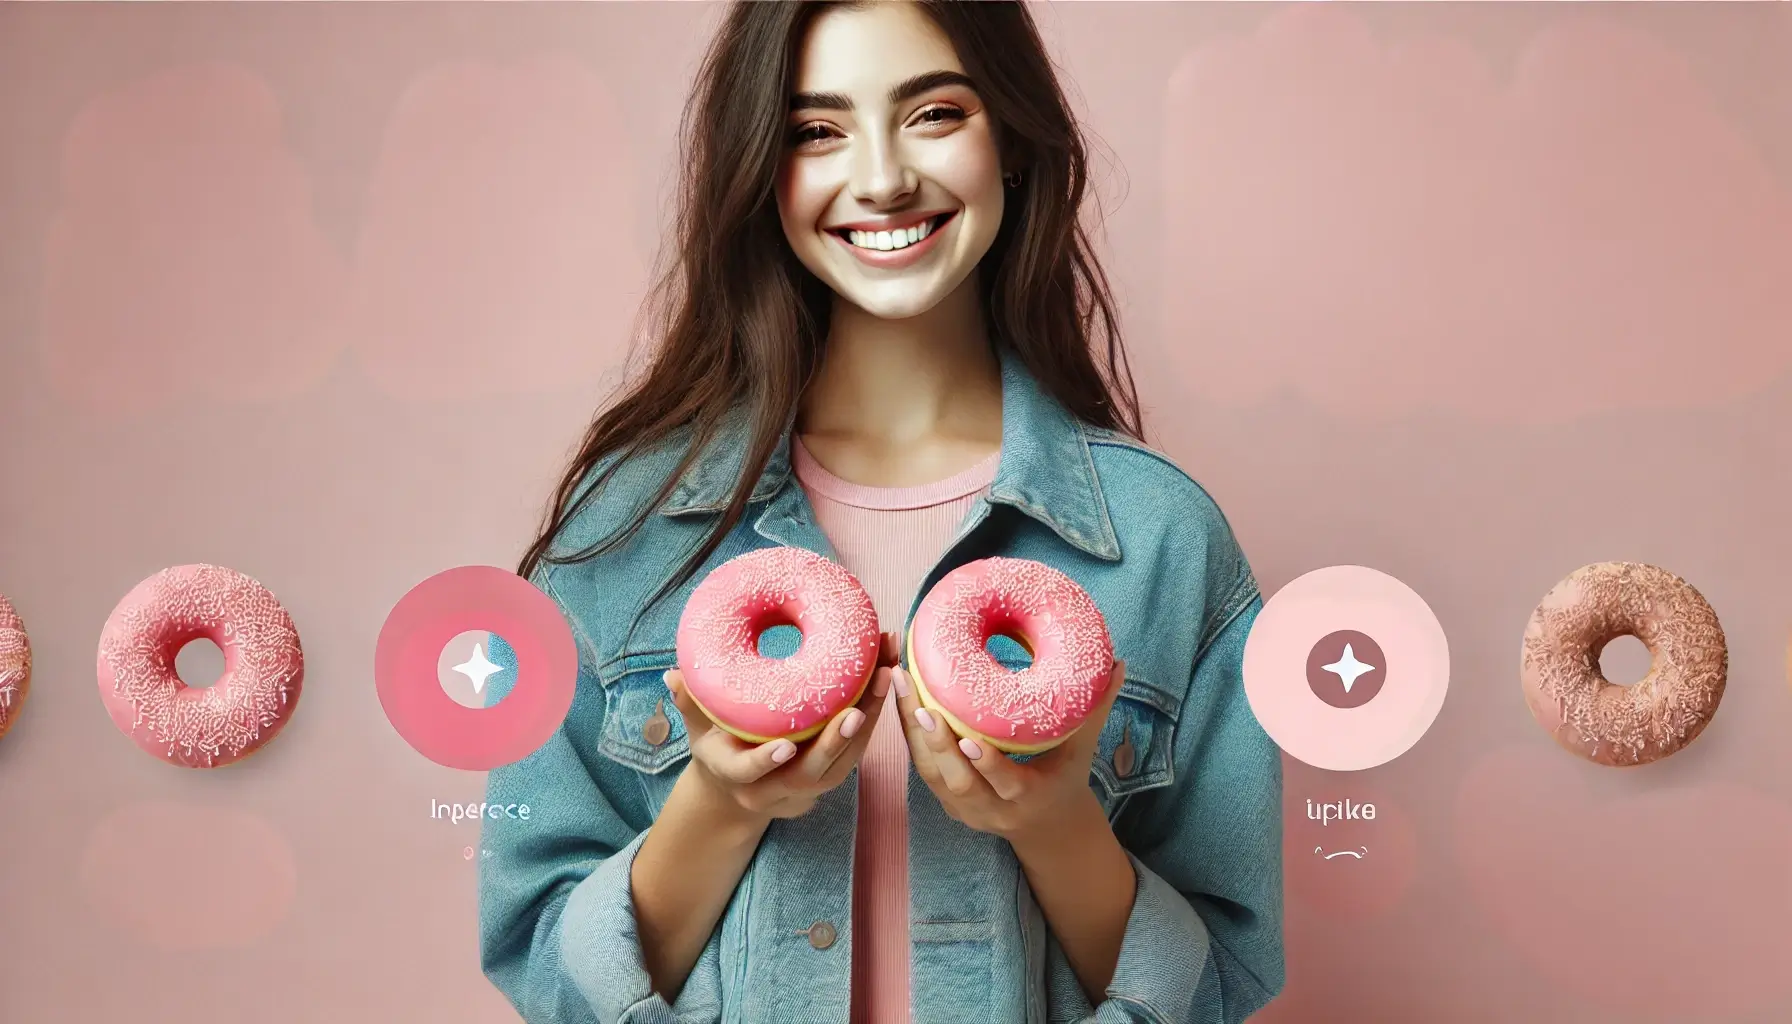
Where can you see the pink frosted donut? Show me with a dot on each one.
(189, 726)
(760, 699)
(15, 664)
(1042, 609)
(1652, 718)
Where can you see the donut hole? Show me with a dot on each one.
(199, 663)
(775, 630)
(1009, 646)
(1624, 660)
(469, 674)
(779, 640)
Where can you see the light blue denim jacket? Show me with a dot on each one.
(1197, 804)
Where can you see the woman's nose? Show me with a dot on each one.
(881, 177)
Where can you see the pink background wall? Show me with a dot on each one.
(1470, 294)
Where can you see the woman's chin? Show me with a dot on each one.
(895, 300)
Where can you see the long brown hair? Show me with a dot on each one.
(742, 322)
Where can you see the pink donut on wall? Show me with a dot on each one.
(189, 726)
(15, 664)
(1590, 716)
(760, 699)
(1045, 611)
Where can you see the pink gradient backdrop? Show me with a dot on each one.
(1470, 294)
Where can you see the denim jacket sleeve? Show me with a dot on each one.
(556, 918)
(1204, 942)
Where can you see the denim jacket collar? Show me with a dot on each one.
(1045, 470)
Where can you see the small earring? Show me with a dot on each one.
(1011, 179)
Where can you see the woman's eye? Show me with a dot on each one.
(811, 133)
(940, 115)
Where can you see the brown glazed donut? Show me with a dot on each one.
(1595, 718)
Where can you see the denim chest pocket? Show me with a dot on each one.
(643, 730)
(1134, 751)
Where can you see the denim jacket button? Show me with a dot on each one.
(1123, 752)
(822, 935)
(657, 727)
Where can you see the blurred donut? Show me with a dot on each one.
(1600, 720)
(15, 664)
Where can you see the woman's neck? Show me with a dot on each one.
(898, 402)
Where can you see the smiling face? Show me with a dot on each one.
(891, 186)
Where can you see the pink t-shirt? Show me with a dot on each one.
(888, 537)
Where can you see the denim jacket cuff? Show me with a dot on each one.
(1162, 958)
(602, 950)
(1165, 951)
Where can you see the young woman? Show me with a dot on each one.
(888, 341)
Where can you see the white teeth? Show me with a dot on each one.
(884, 241)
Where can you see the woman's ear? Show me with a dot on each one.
(1017, 157)
(1013, 153)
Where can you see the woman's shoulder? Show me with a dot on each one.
(1152, 465)
(1162, 514)
(620, 489)
(617, 543)
(1139, 483)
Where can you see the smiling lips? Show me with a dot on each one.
(891, 247)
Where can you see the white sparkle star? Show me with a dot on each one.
(1348, 669)
(477, 669)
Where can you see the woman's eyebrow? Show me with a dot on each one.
(902, 92)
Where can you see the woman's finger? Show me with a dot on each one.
(907, 703)
(872, 705)
(956, 773)
(736, 761)
(1007, 779)
(847, 729)
(727, 756)
(821, 752)
(889, 650)
(696, 723)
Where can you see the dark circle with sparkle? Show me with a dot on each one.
(1328, 687)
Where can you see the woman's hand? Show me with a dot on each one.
(983, 789)
(1081, 876)
(780, 779)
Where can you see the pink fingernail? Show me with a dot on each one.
(926, 719)
(850, 724)
(783, 751)
(970, 748)
(901, 679)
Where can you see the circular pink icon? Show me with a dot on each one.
(485, 598)
(1346, 668)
